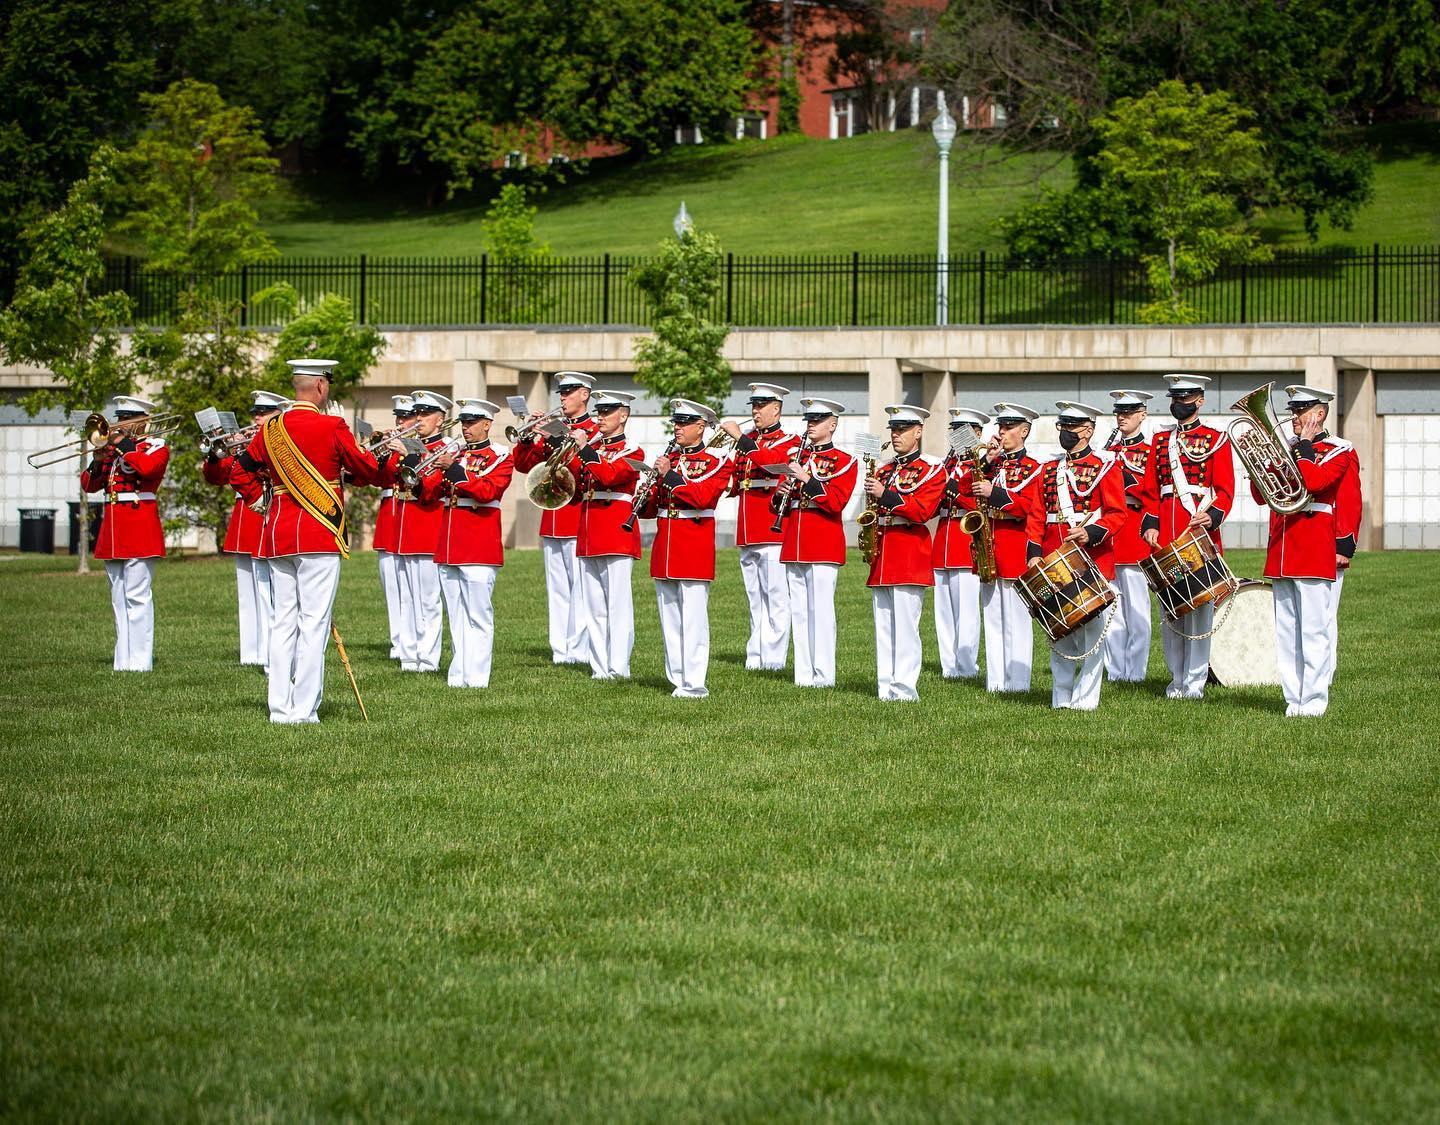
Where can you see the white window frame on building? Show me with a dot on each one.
(689, 135)
(752, 125)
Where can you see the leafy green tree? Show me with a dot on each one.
(1391, 52)
(61, 319)
(517, 294)
(683, 358)
(1183, 158)
(191, 182)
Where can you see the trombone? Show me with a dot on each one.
(96, 432)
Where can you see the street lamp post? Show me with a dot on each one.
(943, 130)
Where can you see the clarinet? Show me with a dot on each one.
(784, 504)
(644, 489)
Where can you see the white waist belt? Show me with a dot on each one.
(610, 496)
(1056, 517)
(895, 521)
(470, 502)
(688, 513)
(760, 482)
(386, 493)
(1316, 506)
(1193, 490)
(126, 497)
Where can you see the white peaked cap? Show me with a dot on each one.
(402, 403)
(267, 400)
(683, 406)
(612, 398)
(1007, 410)
(133, 404)
(819, 407)
(325, 367)
(909, 415)
(432, 401)
(476, 408)
(1300, 393)
(1188, 384)
(767, 390)
(1076, 412)
(1130, 399)
(565, 379)
(959, 414)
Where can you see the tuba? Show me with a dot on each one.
(1266, 455)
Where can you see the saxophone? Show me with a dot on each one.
(869, 519)
(977, 524)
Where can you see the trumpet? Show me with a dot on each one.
(381, 438)
(408, 476)
(527, 429)
(219, 445)
(1266, 455)
(96, 432)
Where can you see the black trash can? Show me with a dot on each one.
(96, 511)
(37, 530)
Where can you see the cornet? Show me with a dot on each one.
(526, 430)
(96, 432)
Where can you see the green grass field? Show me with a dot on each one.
(562, 900)
(873, 194)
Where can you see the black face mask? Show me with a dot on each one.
(1183, 411)
(1069, 440)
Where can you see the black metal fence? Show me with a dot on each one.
(1393, 284)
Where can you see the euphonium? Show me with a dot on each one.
(552, 485)
(1266, 455)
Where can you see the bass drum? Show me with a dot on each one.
(1242, 651)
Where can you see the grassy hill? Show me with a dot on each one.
(875, 194)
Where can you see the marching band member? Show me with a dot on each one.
(1190, 482)
(417, 530)
(689, 482)
(559, 528)
(386, 522)
(1301, 561)
(957, 588)
(760, 567)
(608, 536)
(242, 538)
(811, 503)
(1010, 489)
(1084, 497)
(469, 552)
(1127, 645)
(906, 493)
(305, 450)
(128, 469)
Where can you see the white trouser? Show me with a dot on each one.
(1009, 637)
(420, 613)
(812, 620)
(1304, 642)
(609, 613)
(134, 606)
(769, 594)
(1188, 661)
(304, 587)
(957, 622)
(1076, 683)
(468, 594)
(390, 585)
(897, 640)
(1335, 622)
(1127, 645)
(685, 626)
(568, 644)
(252, 588)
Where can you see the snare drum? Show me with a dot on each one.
(1188, 574)
(1064, 590)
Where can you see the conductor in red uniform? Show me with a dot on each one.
(1084, 504)
(128, 470)
(305, 450)
(906, 492)
(1127, 644)
(690, 482)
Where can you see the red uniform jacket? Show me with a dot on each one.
(1205, 465)
(914, 486)
(606, 486)
(952, 549)
(327, 443)
(814, 531)
(1017, 510)
(387, 520)
(417, 518)
(1348, 506)
(1097, 500)
(129, 473)
(1302, 544)
(562, 523)
(242, 533)
(755, 486)
(1134, 453)
(469, 492)
(683, 506)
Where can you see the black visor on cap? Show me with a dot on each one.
(1184, 392)
(685, 419)
(1300, 405)
(472, 415)
(259, 409)
(607, 407)
(763, 398)
(422, 408)
(817, 415)
(125, 415)
(902, 423)
(1127, 407)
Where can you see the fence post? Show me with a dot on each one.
(1375, 285)
(982, 287)
(484, 280)
(854, 287)
(244, 296)
(729, 287)
(605, 292)
(1111, 280)
(362, 289)
(125, 283)
(1243, 277)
